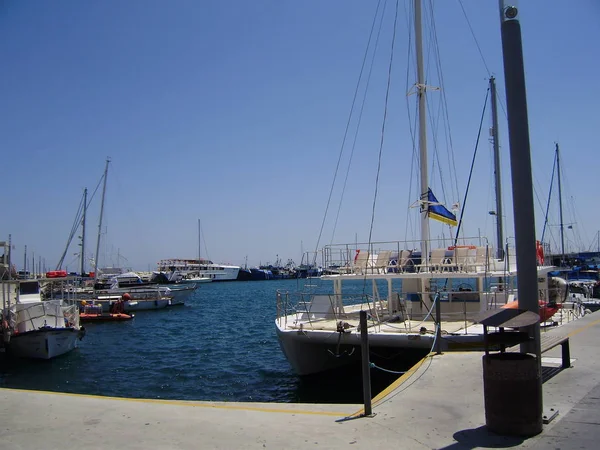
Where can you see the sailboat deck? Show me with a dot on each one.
(400, 327)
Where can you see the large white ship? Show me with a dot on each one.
(181, 269)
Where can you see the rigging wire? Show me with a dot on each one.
(480, 51)
(385, 112)
(76, 222)
(549, 198)
(444, 105)
(360, 115)
(487, 69)
(574, 215)
(345, 135)
(462, 211)
(410, 224)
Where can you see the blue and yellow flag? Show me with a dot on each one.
(437, 211)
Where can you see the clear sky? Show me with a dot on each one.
(233, 112)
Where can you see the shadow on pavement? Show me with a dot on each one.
(482, 438)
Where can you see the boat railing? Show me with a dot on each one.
(466, 254)
(411, 311)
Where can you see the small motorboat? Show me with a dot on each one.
(547, 309)
(93, 313)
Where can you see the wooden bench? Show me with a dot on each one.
(549, 342)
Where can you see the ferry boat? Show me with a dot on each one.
(201, 268)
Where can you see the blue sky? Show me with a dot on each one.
(233, 112)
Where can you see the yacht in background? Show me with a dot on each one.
(202, 268)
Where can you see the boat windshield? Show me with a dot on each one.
(27, 288)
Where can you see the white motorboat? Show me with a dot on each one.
(37, 328)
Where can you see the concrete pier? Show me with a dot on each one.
(438, 404)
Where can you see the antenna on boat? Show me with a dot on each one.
(100, 220)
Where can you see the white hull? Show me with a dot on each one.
(314, 351)
(181, 269)
(136, 305)
(179, 293)
(226, 273)
(320, 330)
(146, 305)
(197, 280)
(43, 344)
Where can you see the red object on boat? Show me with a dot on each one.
(93, 313)
(546, 310)
(56, 274)
(539, 253)
(104, 317)
(92, 274)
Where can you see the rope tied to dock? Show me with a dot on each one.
(375, 366)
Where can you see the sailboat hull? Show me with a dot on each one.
(315, 351)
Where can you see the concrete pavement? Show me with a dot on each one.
(438, 404)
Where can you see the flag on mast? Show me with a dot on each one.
(437, 211)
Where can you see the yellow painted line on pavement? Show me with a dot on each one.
(579, 330)
(404, 377)
(379, 397)
(224, 405)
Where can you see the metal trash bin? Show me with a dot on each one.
(512, 385)
(512, 394)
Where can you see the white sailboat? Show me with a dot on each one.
(421, 294)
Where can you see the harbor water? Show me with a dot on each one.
(220, 346)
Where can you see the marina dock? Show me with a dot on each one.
(437, 404)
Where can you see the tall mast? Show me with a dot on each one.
(199, 240)
(9, 256)
(100, 220)
(499, 227)
(421, 88)
(83, 232)
(560, 208)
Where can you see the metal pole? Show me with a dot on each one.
(366, 364)
(520, 162)
(421, 88)
(499, 214)
(438, 331)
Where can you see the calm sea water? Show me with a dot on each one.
(220, 346)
